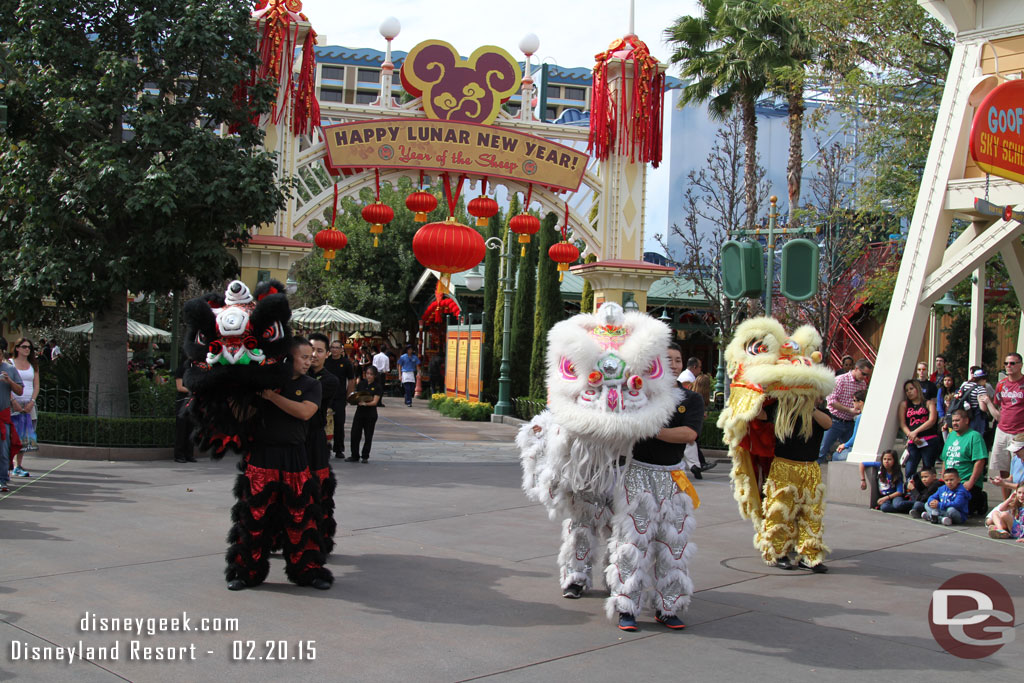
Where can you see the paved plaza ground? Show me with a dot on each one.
(445, 572)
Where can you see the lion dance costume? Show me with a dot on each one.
(608, 386)
(237, 344)
(783, 374)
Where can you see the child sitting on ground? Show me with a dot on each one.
(890, 485)
(920, 487)
(949, 503)
(1007, 519)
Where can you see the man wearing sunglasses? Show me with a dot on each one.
(1008, 408)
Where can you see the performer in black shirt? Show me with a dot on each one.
(278, 499)
(183, 448)
(316, 442)
(341, 367)
(365, 420)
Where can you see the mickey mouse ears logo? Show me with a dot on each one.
(455, 89)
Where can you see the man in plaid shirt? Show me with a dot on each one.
(840, 405)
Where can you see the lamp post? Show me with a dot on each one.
(389, 30)
(504, 405)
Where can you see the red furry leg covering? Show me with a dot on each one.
(327, 486)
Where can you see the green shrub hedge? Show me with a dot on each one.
(84, 430)
(460, 408)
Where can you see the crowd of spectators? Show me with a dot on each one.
(958, 436)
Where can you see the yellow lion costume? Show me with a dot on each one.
(766, 365)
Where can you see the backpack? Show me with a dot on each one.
(961, 400)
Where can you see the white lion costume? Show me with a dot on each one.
(608, 386)
(765, 365)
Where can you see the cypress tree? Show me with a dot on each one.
(549, 307)
(522, 320)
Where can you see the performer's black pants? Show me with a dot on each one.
(182, 430)
(363, 424)
(339, 427)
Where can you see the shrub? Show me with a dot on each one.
(83, 430)
(461, 409)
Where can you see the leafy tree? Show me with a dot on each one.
(549, 309)
(112, 173)
(732, 53)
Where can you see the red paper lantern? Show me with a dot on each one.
(421, 203)
(330, 240)
(524, 225)
(563, 253)
(483, 208)
(448, 247)
(377, 215)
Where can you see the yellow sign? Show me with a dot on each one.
(456, 148)
(451, 366)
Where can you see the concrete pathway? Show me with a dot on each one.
(445, 572)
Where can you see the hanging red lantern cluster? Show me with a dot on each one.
(449, 246)
(377, 214)
(483, 207)
(563, 253)
(330, 239)
(525, 224)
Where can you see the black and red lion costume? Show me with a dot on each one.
(240, 344)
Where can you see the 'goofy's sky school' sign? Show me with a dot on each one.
(997, 133)
(434, 145)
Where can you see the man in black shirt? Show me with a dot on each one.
(340, 366)
(650, 549)
(316, 442)
(278, 499)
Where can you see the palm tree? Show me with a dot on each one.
(733, 53)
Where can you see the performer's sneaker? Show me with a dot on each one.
(627, 622)
(573, 591)
(819, 568)
(352, 459)
(671, 621)
(784, 563)
(236, 585)
(695, 471)
(708, 466)
(320, 584)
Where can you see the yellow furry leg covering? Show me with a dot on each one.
(744, 486)
(794, 509)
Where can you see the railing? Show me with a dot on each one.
(527, 408)
(147, 417)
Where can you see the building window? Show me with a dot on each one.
(554, 92)
(262, 276)
(578, 94)
(366, 97)
(333, 73)
(369, 76)
(332, 95)
(552, 114)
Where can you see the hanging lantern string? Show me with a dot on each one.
(483, 190)
(334, 208)
(453, 199)
(421, 179)
(565, 227)
(376, 175)
(529, 197)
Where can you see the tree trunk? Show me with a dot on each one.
(749, 160)
(794, 168)
(108, 360)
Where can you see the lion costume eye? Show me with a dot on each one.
(274, 332)
(757, 347)
(200, 338)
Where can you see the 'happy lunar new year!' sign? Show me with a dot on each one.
(997, 133)
(454, 147)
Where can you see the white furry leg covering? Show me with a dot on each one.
(582, 534)
(650, 550)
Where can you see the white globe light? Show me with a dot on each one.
(390, 28)
(529, 44)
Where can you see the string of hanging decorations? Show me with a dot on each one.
(525, 223)
(378, 213)
(564, 252)
(330, 239)
(448, 246)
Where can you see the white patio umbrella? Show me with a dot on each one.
(328, 318)
(137, 332)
